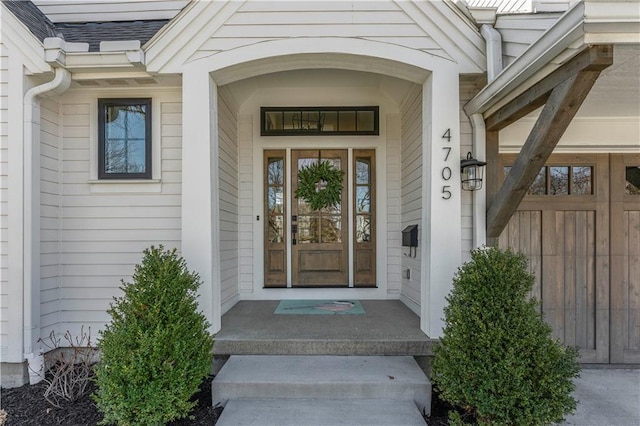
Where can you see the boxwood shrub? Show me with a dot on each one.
(497, 362)
(156, 350)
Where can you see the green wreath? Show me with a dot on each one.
(320, 185)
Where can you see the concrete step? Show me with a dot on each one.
(322, 377)
(319, 412)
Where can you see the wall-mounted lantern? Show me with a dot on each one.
(471, 173)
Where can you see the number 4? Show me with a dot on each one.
(447, 135)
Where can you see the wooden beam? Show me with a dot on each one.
(595, 58)
(562, 105)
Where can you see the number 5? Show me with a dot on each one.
(446, 192)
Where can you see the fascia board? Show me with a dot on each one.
(457, 38)
(612, 22)
(186, 33)
(17, 36)
(76, 62)
(566, 33)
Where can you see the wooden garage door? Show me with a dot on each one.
(562, 225)
(625, 258)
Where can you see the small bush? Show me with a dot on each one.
(68, 369)
(156, 350)
(497, 361)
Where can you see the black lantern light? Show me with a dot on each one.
(471, 173)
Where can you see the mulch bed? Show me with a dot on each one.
(26, 406)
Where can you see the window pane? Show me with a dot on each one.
(124, 156)
(125, 121)
(292, 120)
(330, 229)
(308, 229)
(329, 121)
(632, 175)
(276, 200)
(275, 171)
(273, 120)
(539, 185)
(347, 121)
(276, 229)
(365, 121)
(559, 180)
(363, 228)
(311, 121)
(363, 170)
(363, 199)
(581, 180)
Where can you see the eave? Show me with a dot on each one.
(586, 23)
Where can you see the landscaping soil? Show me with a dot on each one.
(26, 405)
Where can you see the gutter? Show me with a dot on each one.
(563, 35)
(31, 220)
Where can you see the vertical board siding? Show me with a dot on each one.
(631, 271)
(50, 194)
(4, 192)
(380, 21)
(104, 233)
(228, 176)
(411, 191)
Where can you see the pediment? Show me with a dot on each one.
(232, 31)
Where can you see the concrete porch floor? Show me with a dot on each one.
(387, 328)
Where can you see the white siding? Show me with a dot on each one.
(394, 186)
(520, 31)
(105, 228)
(4, 202)
(101, 10)
(246, 208)
(50, 194)
(260, 21)
(411, 201)
(228, 177)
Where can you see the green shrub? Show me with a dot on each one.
(497, 361)
(156, 350)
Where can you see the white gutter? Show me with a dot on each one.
(478, 129)
(31, 221)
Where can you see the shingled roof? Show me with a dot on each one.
(82, 32)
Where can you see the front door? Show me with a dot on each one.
(319, 246)
(330, 246)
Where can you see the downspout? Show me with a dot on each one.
(31, 221)
(478, 129)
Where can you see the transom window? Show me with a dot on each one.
(561, 180)
(124, 129)
(289, 121)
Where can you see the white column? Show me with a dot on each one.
(200, 187)
(441, 209)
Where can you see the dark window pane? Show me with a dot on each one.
(539, 185)
(632, 175)
(347, 122)
(124, 156)
(363, 228)
(310, 121)
(363, 170)
(559, 176)
(275, 171)
(363, 199)
(366, 121)
(292, 120)
(329, 121)
(273, 120)
(581, 180)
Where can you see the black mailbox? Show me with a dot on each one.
(410, 236)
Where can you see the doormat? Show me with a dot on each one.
(320, 307)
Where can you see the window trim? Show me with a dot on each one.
(103, 103)
(298, 132)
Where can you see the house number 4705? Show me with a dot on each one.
(446, 170)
